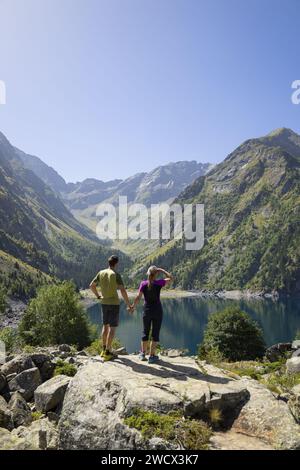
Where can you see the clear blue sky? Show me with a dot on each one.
(108, 88)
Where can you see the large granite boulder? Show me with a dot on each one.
(101, 395)
(51, 393)
(20, 410)
(267, 418)
(26, 382)
(18, 364)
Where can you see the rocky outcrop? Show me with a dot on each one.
(101, 395)
(267, 418)
(51, 393)
(89, 410)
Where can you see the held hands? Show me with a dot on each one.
(130, 308)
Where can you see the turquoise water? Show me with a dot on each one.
(185, 320)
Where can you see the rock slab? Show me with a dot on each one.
(101, 395)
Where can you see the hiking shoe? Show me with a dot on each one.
(102, 353)
(107, 356)
(153, 359)
(142, 356)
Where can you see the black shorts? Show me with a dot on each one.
(110, 315)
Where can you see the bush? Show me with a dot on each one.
(36, 415)
(56, 316)
(234, 335)
(189, 433)
(63, 368)
(10, 338)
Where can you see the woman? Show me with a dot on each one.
(153, 312)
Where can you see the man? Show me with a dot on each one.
(109, 281)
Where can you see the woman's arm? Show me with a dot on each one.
(168, 276)
(137, 299)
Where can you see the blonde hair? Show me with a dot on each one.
(152, 270)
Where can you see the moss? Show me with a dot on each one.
(172, 427)
(63, 368)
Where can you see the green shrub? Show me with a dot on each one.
(95, 347)
(234, 335)
(172, 427)
(56, 316)
(36, 415)
(11, 338)
(63, 368)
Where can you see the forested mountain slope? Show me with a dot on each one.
(252, 220)
(37, 229)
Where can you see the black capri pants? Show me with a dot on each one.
(152, 320)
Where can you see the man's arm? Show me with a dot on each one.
(125, 296)
(93, 287)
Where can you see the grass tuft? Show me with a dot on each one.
(172, 427)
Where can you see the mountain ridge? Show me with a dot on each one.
(252, 210)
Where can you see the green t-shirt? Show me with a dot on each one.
(108, 280)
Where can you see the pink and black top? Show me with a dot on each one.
(152, 293)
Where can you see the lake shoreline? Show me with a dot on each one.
(89, 299)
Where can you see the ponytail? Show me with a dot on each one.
(151, 273)
(151, 279)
